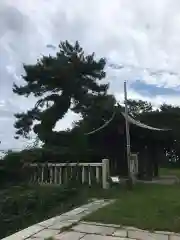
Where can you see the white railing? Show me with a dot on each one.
(134, 166)
(134, 163)
(60, 173)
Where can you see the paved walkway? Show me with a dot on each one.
(69, 226)
(57, 224)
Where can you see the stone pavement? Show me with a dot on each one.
(57, 224)
(98, 231)
(69, 226)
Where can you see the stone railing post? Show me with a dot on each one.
(105, 173)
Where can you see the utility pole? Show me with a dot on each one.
(128, 144)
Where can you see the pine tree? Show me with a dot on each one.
(68, 81)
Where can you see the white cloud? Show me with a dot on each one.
(143, 33)
(66, 122)
(155, 100)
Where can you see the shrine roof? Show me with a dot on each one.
(142, 125)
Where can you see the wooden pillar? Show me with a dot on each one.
(149, 161)
(156, 162)
(155, 158)
(140, 166)
(156, 168)
(142, 160)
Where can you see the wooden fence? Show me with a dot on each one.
(60, 173)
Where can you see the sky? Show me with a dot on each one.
(142, 34)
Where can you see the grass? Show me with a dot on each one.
(22, 206)
(147, 207)
(170, 171)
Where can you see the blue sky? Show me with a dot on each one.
(153, 90)
(142, 33)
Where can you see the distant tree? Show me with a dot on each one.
(167, 116)
(68, 81)
(137, 107)
(170, 108)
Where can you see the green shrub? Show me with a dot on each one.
(25, 205)
(12, 169)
